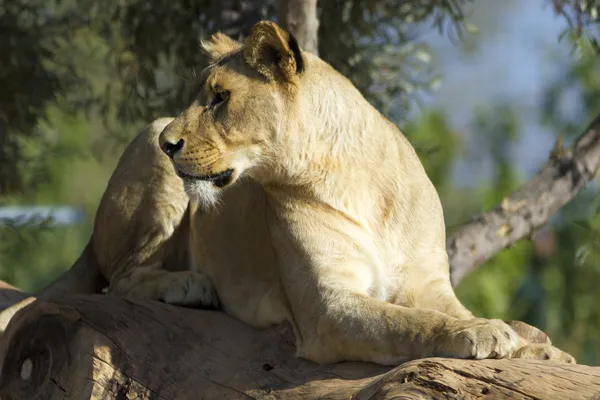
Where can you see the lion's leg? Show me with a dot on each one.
(339, 322)
(185, 288)
(141, 231)
(327, 283)
(436, 293)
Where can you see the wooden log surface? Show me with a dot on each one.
(105, 347)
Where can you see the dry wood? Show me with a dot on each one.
(104, 347)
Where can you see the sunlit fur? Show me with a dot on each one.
(203, 192)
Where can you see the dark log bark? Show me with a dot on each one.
(300, 18)
(104, 347)
(528, 209)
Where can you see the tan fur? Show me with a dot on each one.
(219, 45)
(328, 220)
(267, 50)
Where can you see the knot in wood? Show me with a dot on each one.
(38, 351)
(26, 369)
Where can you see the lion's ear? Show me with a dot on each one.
(273, 52)
(219, 45)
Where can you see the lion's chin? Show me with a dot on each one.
(205, 193)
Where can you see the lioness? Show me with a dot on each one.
(282, 190)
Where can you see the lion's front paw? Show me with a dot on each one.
(543, 352)
(187, 288)
(478, 338)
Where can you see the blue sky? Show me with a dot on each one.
(517, 53)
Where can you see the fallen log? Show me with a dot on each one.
(105, 347)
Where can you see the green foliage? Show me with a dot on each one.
(436, 144)
(24, 246)
(30, 79)
(34, 252)
(583, 17)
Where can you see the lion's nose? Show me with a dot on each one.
(170, 148)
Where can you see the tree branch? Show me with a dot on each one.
(528, 209)
(300, 18)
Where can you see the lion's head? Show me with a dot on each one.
(230, 127)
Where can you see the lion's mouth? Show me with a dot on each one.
(219, 180)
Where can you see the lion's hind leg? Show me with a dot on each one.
(141, 231)
(182, 288)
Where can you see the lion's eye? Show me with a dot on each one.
(219, 98)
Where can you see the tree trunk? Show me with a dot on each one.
(300, 18)
(105, 347)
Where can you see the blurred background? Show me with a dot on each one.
(482, 88)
